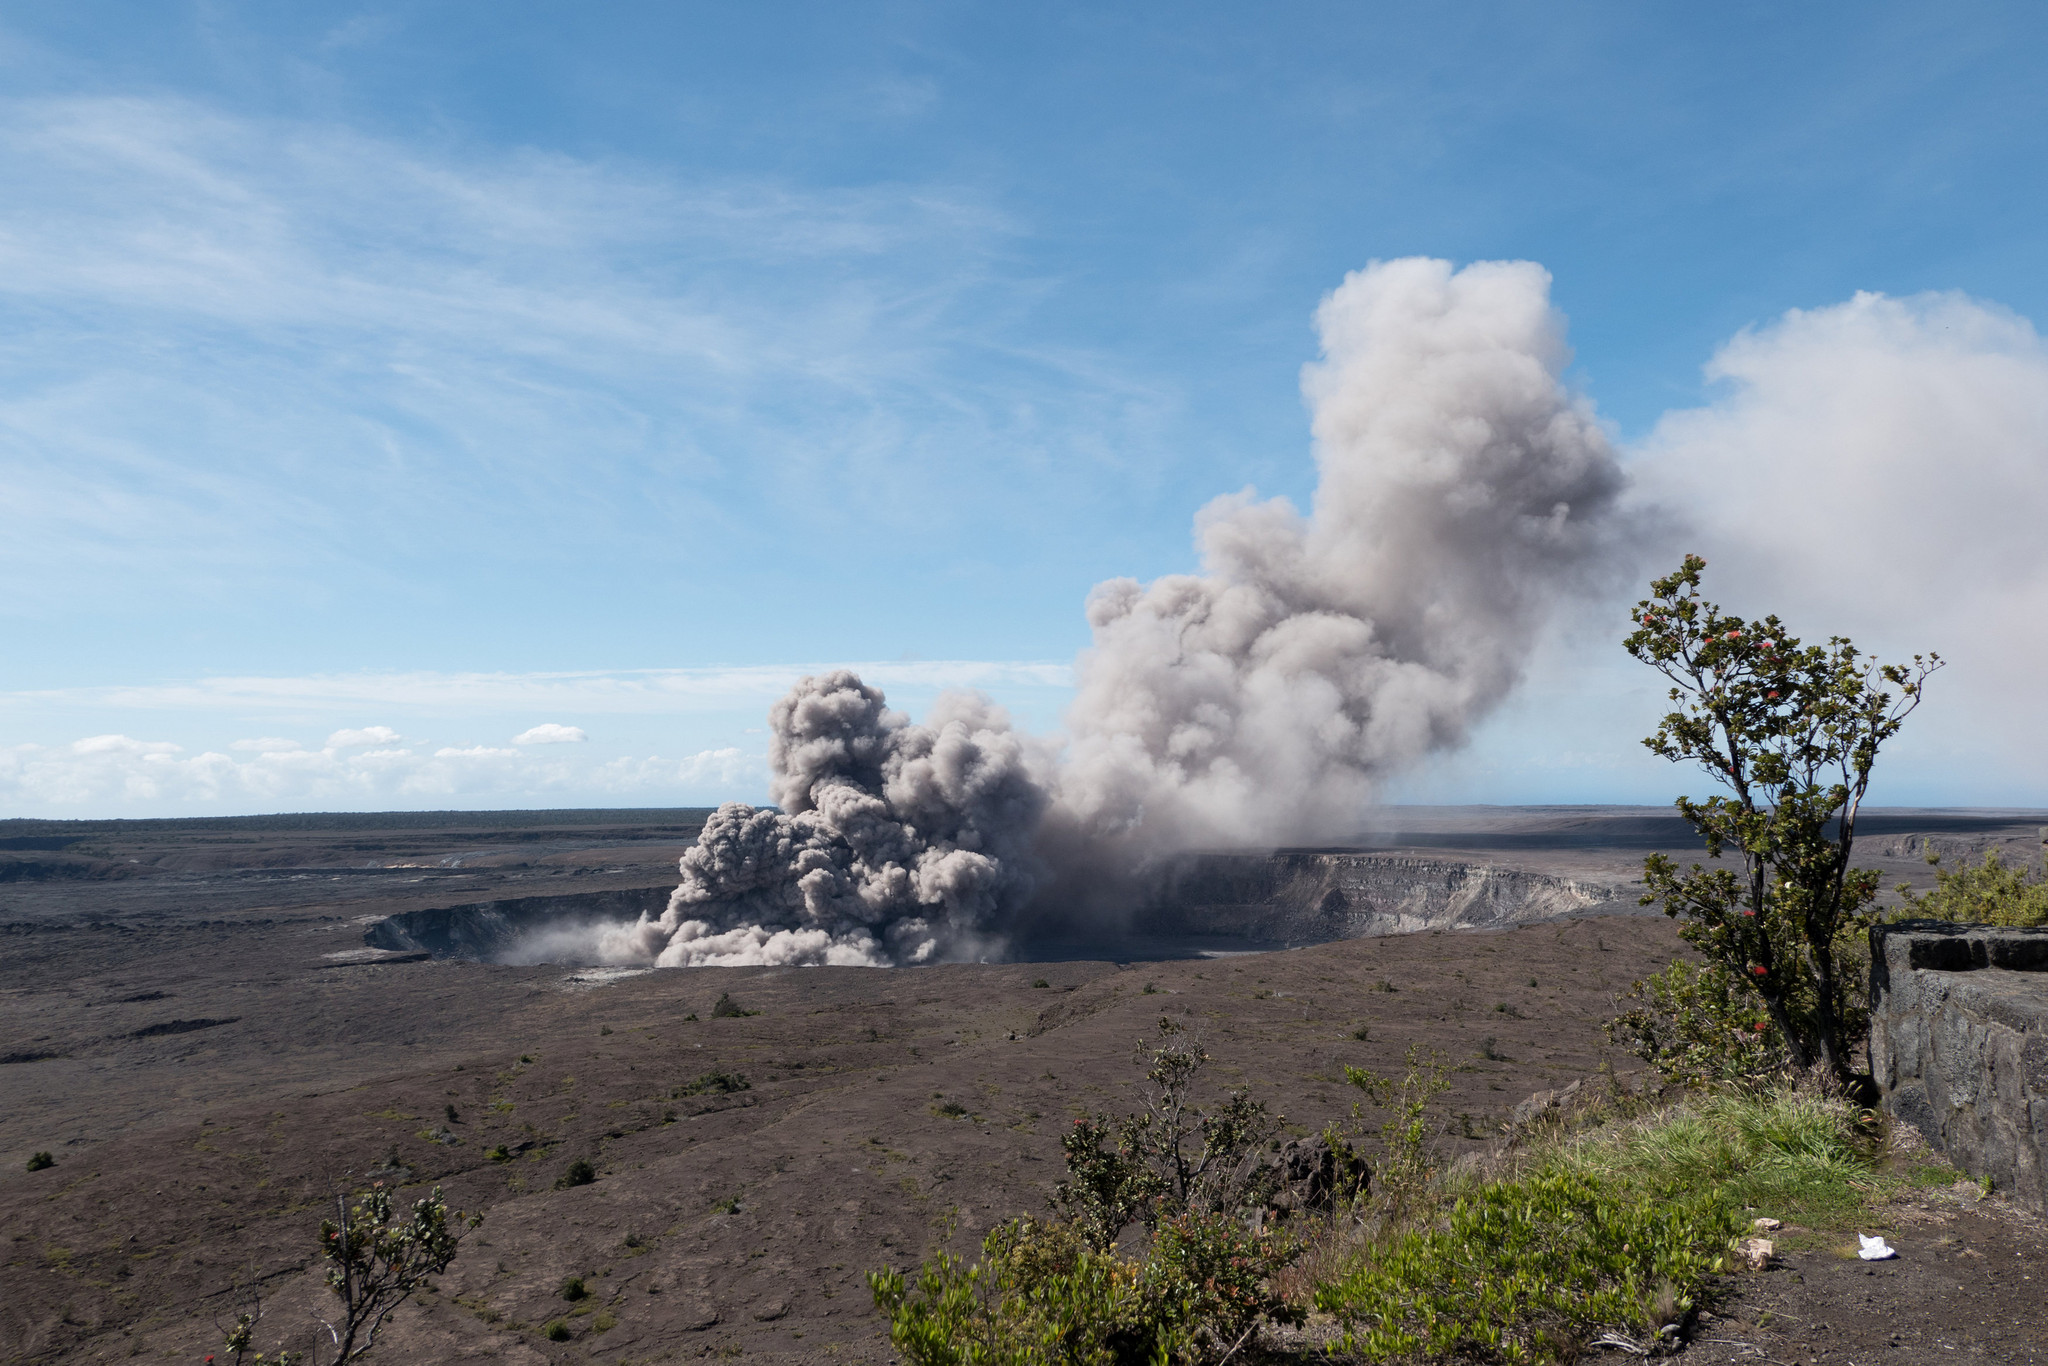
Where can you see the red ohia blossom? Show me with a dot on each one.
(1758, 970)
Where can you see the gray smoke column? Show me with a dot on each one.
(1464, 492)
(895, 842)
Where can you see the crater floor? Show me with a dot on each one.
(205, 1047)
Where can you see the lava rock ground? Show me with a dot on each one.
(884, 1112)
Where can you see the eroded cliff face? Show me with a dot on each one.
(1232, 900)
(1311, 896)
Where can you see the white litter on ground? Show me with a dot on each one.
(1875, 1249)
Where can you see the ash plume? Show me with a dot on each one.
(1464, 492)
(895, 842)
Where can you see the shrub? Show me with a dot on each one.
(1986, 893)
(1528, 1270)
(1044, 1292)
(1213, 1276)
(1041, 982)
(715, 1083)
(378, 1259)
(557, 1330)
(1407, 1163)
(573, 1289)
(38, 1161)
(728, 1009)
(1696, 1025)
(1040, 1293)
(1174, 1158)
(578, 1173)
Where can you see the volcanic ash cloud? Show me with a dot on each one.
(895, 842)
(1464, 492)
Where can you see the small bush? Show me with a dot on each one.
(454, 1115)
(573, 1289)
(951, 1109)
(501, 1153)
(728, 1009)
(715, 1083)
(556, 1331)
(579, 1173)
(1526, 1270)
(604, 1029)
(1696, 1025)
(39, 1161)
(1044, 1292)
(1041, 982)
(1362, 1033)
(1986, 893)
(1407, 1164)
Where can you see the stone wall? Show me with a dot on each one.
(1959, 1044)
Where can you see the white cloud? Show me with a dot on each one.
(121, 744)
(1879, 469)
(550, 733)
(268, 744)
(118, 775)
(356, 739)
(598, 692)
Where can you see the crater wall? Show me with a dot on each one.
(1305, 896)
(1223, 900)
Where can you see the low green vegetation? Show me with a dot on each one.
(1533, 1269)
(1989, 892)
(577, 1173)
(728, 1009)
(40, 1161)
(714, 1083)
(1606, 1226)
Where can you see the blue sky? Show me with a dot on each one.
(463, 369)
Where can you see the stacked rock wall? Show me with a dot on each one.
(1959, 1044)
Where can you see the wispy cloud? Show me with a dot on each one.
(636, 691)
(237, 341)
(114, 774)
